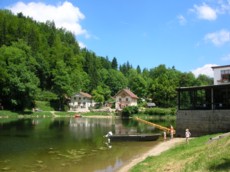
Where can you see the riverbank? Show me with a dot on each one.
(205, 153)
(157, 150)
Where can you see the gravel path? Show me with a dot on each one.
(156, 150)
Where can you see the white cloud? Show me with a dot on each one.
(64, 15)
(204, 12)
(82, 45)
(218, 38)
(205, 70)
(182, 20)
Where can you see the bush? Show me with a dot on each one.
(44, 106)
(129, 111)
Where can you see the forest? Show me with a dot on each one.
(39, 62)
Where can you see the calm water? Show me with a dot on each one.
(68, 144)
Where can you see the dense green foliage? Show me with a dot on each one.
(160, 111)
(40, 62)
(129, 111)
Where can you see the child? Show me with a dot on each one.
(165, 137)
(171, 131)
(187, 135)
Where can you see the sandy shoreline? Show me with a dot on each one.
(156, 150)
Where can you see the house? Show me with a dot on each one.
(81, 102)
(125, 97)
(205, 109)
(221, 74)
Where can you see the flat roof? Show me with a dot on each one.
(203, 87)
(215, 67)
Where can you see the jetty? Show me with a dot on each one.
(154, 125)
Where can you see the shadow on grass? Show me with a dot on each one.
(224, 165)
(25, 112)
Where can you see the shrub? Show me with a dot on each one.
(129, 111)
(160, 111)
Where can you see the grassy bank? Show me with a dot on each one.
(30, 114)
(199, 155)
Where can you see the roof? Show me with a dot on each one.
(128, 92)
(215, 67)
(203, 87)
(85, 94)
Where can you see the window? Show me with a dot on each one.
(225, 75)
(195, 99)
(127, 99)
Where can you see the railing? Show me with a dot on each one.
(207, 106)
(223, 81)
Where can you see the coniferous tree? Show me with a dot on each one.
(114, 63)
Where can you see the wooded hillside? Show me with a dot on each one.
(40, 62)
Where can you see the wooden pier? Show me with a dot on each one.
(154, 125)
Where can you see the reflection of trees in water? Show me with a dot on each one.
(20, 124)
(58, 124)
(130, 126)
(86, 128)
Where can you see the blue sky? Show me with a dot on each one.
(190, 35)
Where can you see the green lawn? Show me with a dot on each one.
(199, 155)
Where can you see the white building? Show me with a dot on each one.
(125, 98)
(221, 74)
(81, 102)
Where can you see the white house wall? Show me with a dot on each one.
(80, 103)
(124, 102)
(217, 74)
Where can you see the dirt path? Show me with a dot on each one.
(153, 152)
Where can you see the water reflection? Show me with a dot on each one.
(68, 144)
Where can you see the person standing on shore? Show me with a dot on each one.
(187, 135)
(165, 136)
(171, 131)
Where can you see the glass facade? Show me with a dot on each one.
(204, 98)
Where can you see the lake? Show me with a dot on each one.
(69, 144)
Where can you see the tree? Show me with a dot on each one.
(204, 80)
(138, 69)
(19, 84)
(137, 83)
(114, 64)
(61, 83)
(125, 68)
(116, 81)
(90, 67)
(101, 93)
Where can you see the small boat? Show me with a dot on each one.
(134, 137)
